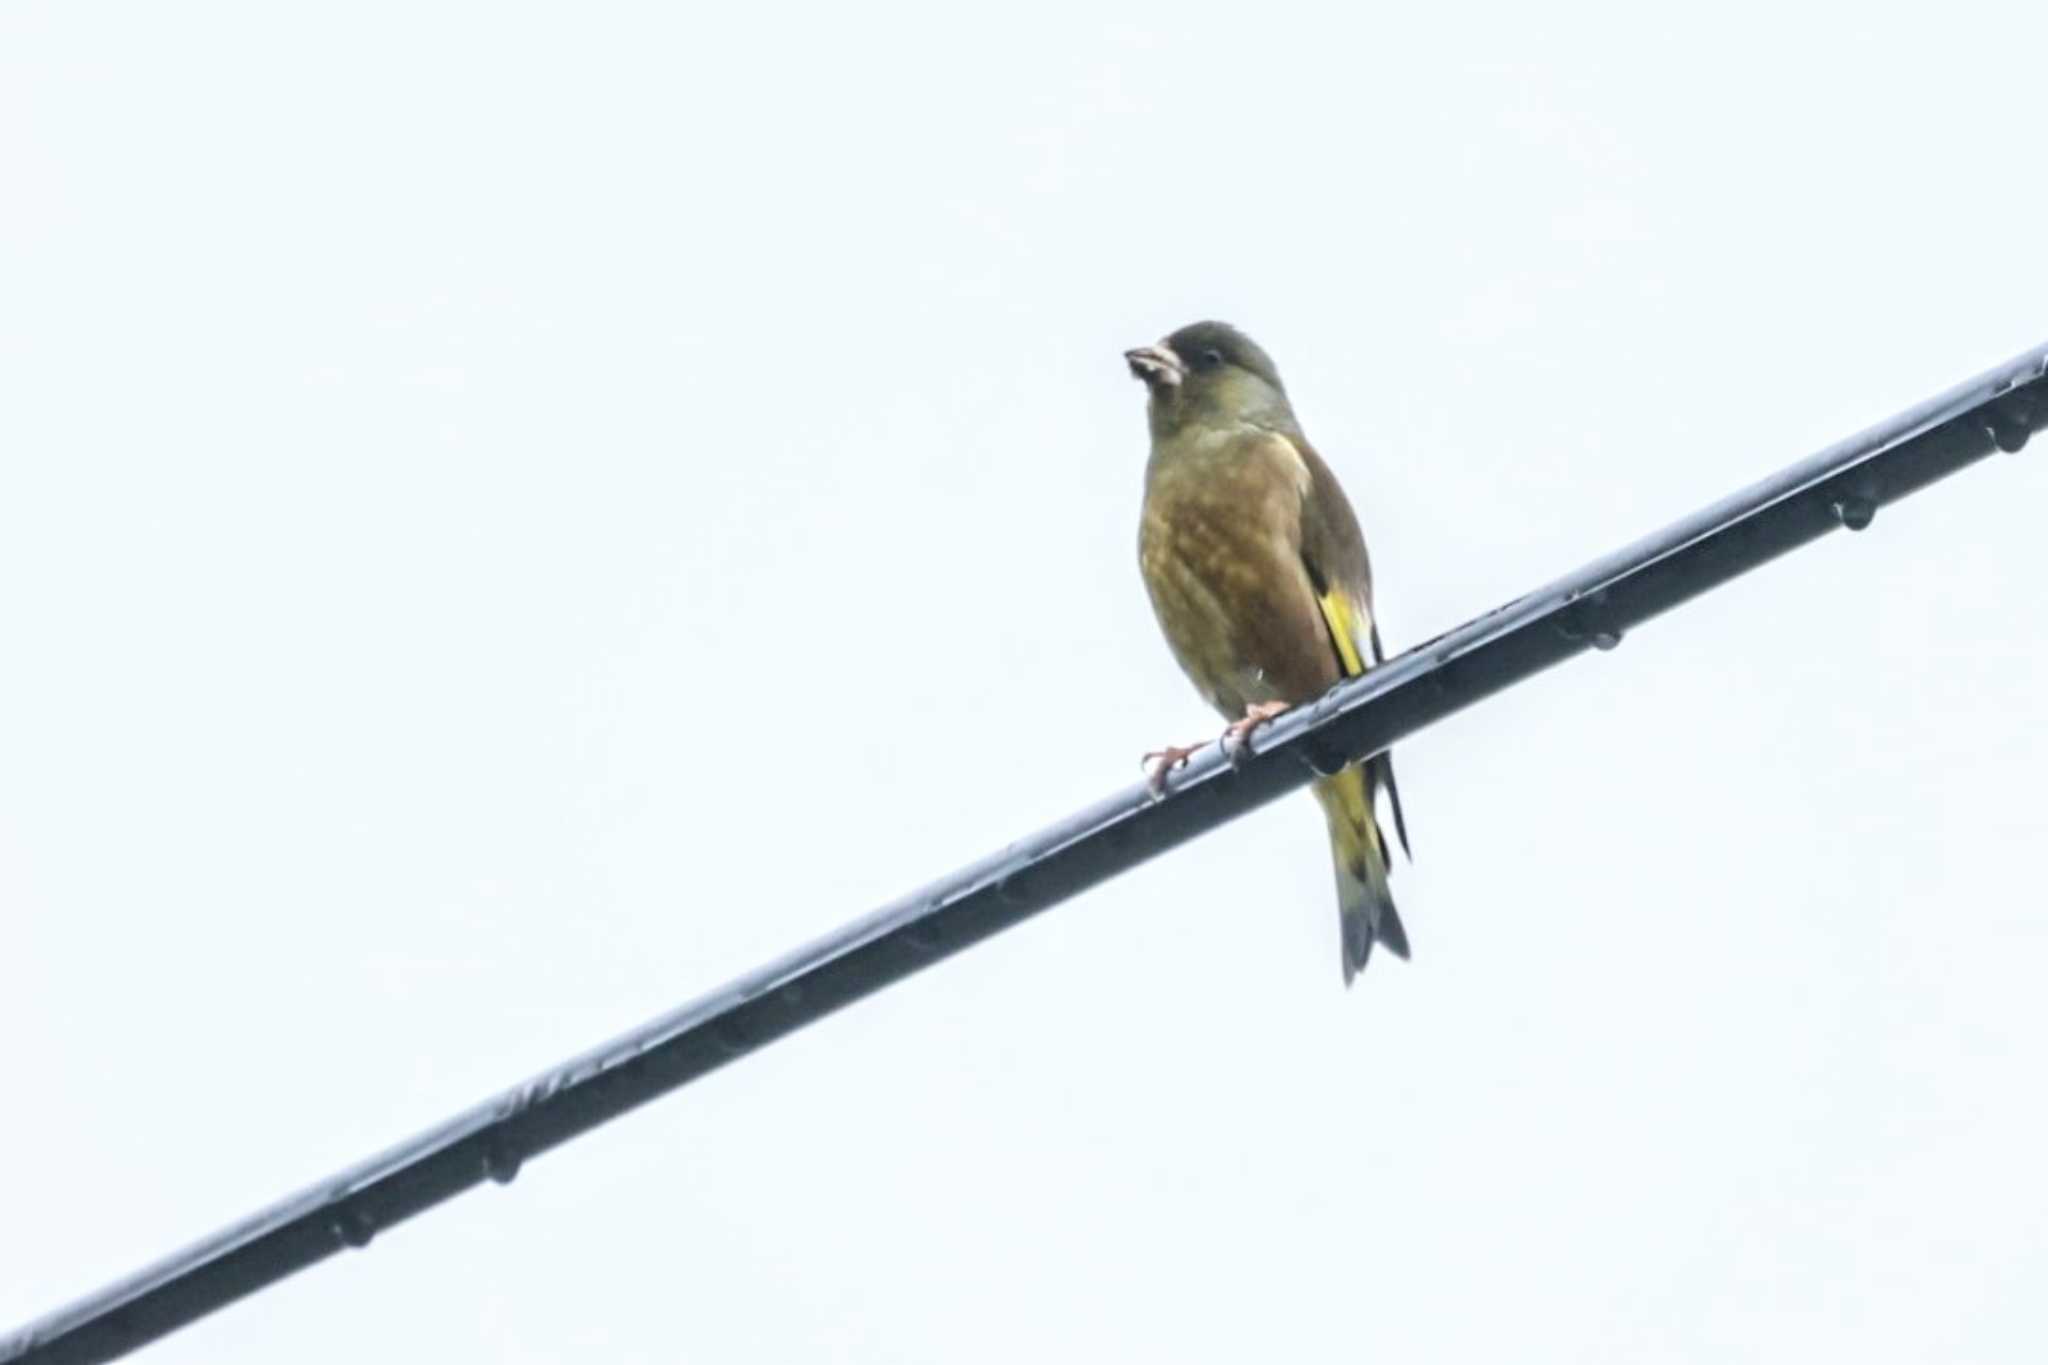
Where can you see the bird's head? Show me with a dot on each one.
(1209, 373)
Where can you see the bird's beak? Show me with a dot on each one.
(1157, 365)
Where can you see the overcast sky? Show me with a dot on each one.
(513, 515)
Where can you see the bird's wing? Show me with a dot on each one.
(1333, 553)
(1383, 765)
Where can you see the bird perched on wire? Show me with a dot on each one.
(1258, 574)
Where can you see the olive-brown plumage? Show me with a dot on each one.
(1259, 577)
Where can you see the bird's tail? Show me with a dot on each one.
(1365, 903)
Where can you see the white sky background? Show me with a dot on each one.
(511, 517)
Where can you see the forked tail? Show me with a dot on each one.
(1365, 903)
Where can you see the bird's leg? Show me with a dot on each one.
(1160, 762)
(1237, 736)
(1236, 741)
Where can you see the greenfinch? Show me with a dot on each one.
(1258, 574)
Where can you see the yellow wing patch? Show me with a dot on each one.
(1348, 625)
(1348, 797)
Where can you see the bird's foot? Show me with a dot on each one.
(1237, 736)
(1160, 762)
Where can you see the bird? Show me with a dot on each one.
(1257, 571)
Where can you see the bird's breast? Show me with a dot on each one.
(1216, 557)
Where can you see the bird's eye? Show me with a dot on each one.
(1211, 359)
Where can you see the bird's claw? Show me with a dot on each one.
(1237, 736)
(1236, 742)
(1160, 762)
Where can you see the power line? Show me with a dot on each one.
(1844, 485)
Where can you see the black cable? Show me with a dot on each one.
(1844, 485)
